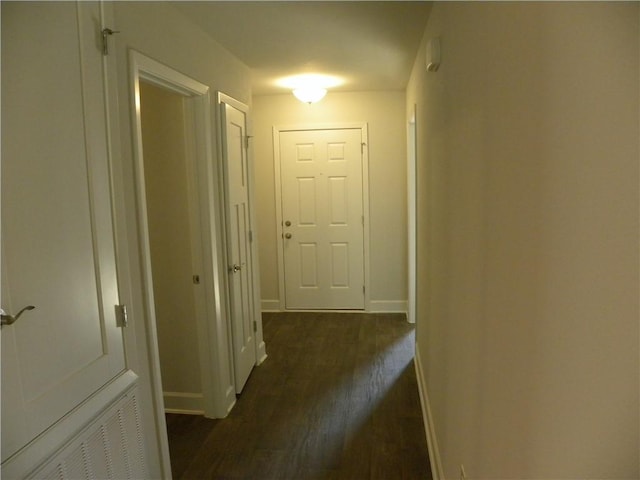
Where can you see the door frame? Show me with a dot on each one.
(363, 127)
(217, 390)
(412, 215)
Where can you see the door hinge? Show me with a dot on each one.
(250, 233)
(246, 141)
(105, 42)
(255, 326)
(363, 289)
(362, 145)
(122, 318)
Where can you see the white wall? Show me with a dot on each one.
(528, 240)
(168, 207)
(160, 32)
(384, 112)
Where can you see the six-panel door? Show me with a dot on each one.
(238, 243)
(322, 214)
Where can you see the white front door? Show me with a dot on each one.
(238, 242)
(323, 218)
(58, 250)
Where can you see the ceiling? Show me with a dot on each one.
(371, 45)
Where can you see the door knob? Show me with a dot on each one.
(287, 235)
(7, 319)
(235, 269)
(287, 223)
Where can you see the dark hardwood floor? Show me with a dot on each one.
(337, 398)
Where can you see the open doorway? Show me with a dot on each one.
(190, 234)
(174, 246)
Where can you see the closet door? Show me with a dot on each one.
(239, 256)
(58, 251)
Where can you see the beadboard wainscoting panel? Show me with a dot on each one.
(110, 447)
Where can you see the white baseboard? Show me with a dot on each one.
(230, 397)
(432, 442)
(183, 402)
(262, 353)
(270, 305)
(184, 412)
(388, 306)
(375, 306)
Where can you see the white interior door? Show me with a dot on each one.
(323, 218)
(57, 228)
(239, 243)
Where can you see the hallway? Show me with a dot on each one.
(336, 398)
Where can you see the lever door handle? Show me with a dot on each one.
(7, 319)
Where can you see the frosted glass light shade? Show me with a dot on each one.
(310, 94)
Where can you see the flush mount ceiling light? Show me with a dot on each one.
(310, 87)
(310, 94)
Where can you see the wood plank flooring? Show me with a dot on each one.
(337, 398)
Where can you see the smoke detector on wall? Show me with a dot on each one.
(433, 54)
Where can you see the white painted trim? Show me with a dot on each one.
(36, 453)
(388, 309)
(270, 305)
(388, 306)
(278, 192)
(180, 411)
(238, 105)
(432, 442)
(320, 126)
(412, 225)
(136, 340)
(375, 306)
(230, 397)
(261, 353)
(366, 213)
(212, 342)
(184, 402)
(364, 128)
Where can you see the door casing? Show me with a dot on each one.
(365, 196)
(217, 385)
(412, 225)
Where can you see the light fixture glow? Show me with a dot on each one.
(309, 87)
(310, 94)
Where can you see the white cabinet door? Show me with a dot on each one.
(57, 226)
(322, 213)
(238, 243)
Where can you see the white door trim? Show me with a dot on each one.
(412, 225)
(363, 126)
(213, 348)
